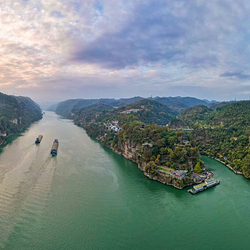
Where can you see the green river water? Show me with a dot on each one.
(90, 198)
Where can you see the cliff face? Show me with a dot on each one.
(132, 151)
(167, 180)
(129, 151)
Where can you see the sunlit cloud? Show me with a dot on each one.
(117, 48)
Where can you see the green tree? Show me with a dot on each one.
(198, 168)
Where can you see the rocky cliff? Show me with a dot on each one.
(133, 152)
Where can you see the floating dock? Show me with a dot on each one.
(203, 186)
(54, 148)
(38, 139)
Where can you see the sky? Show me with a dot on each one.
(53, 50)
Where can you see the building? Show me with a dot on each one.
(179, 174)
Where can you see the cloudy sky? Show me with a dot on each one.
(54, 50)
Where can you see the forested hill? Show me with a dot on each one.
(132, 131)
(66, 108)
(222, 133)
(234, 115)
(16, 113)
(73, 106)
(30, 111)
(144, 111)
(149, 112)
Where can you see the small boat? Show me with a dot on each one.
(38, 139)
(54, 147)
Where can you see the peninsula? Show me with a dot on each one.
(138, 132)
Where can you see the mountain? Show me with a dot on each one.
(94, 113)
(16, 113)
(145, 111)
(30, 111)
(150, 112)
(66, 108)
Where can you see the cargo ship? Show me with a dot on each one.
(54, 148)
(38, 139)
(203, 186)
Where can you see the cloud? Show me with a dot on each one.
(237, 75)
(193, 33)
(149, 34)
(141, 47)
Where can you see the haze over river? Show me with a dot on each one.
(90, 198)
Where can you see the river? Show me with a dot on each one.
(90, 198)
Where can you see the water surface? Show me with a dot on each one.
(90, 198)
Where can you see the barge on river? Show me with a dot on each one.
(203, 186)
(54, 148)
(38, 139)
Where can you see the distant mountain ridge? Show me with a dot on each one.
(178, 103)
(145, 111)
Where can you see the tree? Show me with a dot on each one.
(198, 168)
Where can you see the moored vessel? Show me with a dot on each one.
(38, 139)
(54, 147)
(203, 186)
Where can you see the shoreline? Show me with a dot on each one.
(160, 177)
(12, 137)
(166, 180)
(227, 165)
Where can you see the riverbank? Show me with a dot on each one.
(227, 165)
(11, 137)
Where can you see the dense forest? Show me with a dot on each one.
(222, 132)
(155, 144)
(145, 111)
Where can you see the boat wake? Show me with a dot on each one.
(22, 202)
